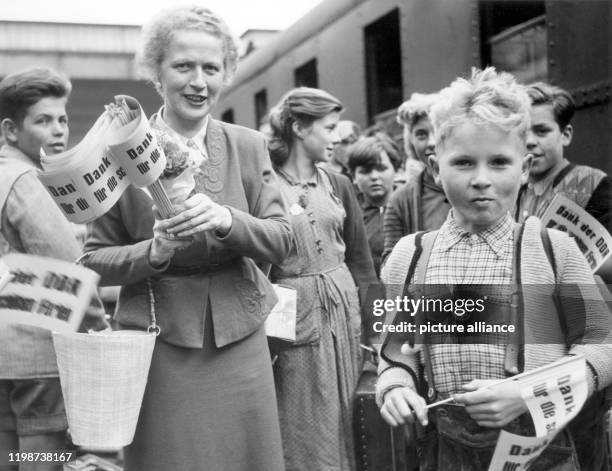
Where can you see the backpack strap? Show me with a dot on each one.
(549, 250)
(517, 211)
(392, 342)
(427, 242)
(418, 250)
(545, 236)
(427, 384)
(562, 174)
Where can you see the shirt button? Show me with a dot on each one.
(473, 238)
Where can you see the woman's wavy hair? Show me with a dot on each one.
(303, 105)
(488, 98)
(157, 34)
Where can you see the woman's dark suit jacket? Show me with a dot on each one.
(219, 275)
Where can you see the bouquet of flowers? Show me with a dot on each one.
(178, 176)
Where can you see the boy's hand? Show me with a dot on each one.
(492, 405)
(400, 406)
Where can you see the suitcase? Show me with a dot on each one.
(378, 446)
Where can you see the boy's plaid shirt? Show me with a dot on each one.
(458, 257)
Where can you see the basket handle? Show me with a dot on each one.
(153, 327)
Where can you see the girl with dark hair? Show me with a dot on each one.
(316, 377)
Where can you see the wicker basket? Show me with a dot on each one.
(103, 377)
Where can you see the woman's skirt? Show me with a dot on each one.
(209, 409)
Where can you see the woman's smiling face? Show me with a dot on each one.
(191, 78)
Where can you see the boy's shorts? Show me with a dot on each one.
(32, 406)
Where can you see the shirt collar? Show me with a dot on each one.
(495, 236)
(312, 181)
(541, 186)
(367, 205)
(199, 139)
(9, 152)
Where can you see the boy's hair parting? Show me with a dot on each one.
(563, 104)
(488, 98)
(416, 108)
(157, 34)
(20, 90)
(303, 105)
(367, 151)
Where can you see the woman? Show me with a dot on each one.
(373, 162)
(420, 204)
(210, 399)
(316, 377)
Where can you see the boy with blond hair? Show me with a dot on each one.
(419, 204)
(480, 127)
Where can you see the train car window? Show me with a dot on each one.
(306, 75)
(228, 116)
(261, 106)
(383, 63)
(513, 38)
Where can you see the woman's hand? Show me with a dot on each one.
(163, 245)
(198, 214)
(400, 406)
(490, 405)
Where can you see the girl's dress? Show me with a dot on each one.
(316, 378)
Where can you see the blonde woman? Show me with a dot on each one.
(209, 401)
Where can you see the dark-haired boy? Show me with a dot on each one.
(33, 120)
(373, 162)
(552, 110)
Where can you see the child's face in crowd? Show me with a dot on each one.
(481, 169)
(421, 138)
(347, 136)
(45, 126)
(545, 140)
(321, 136)
(376, 183)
